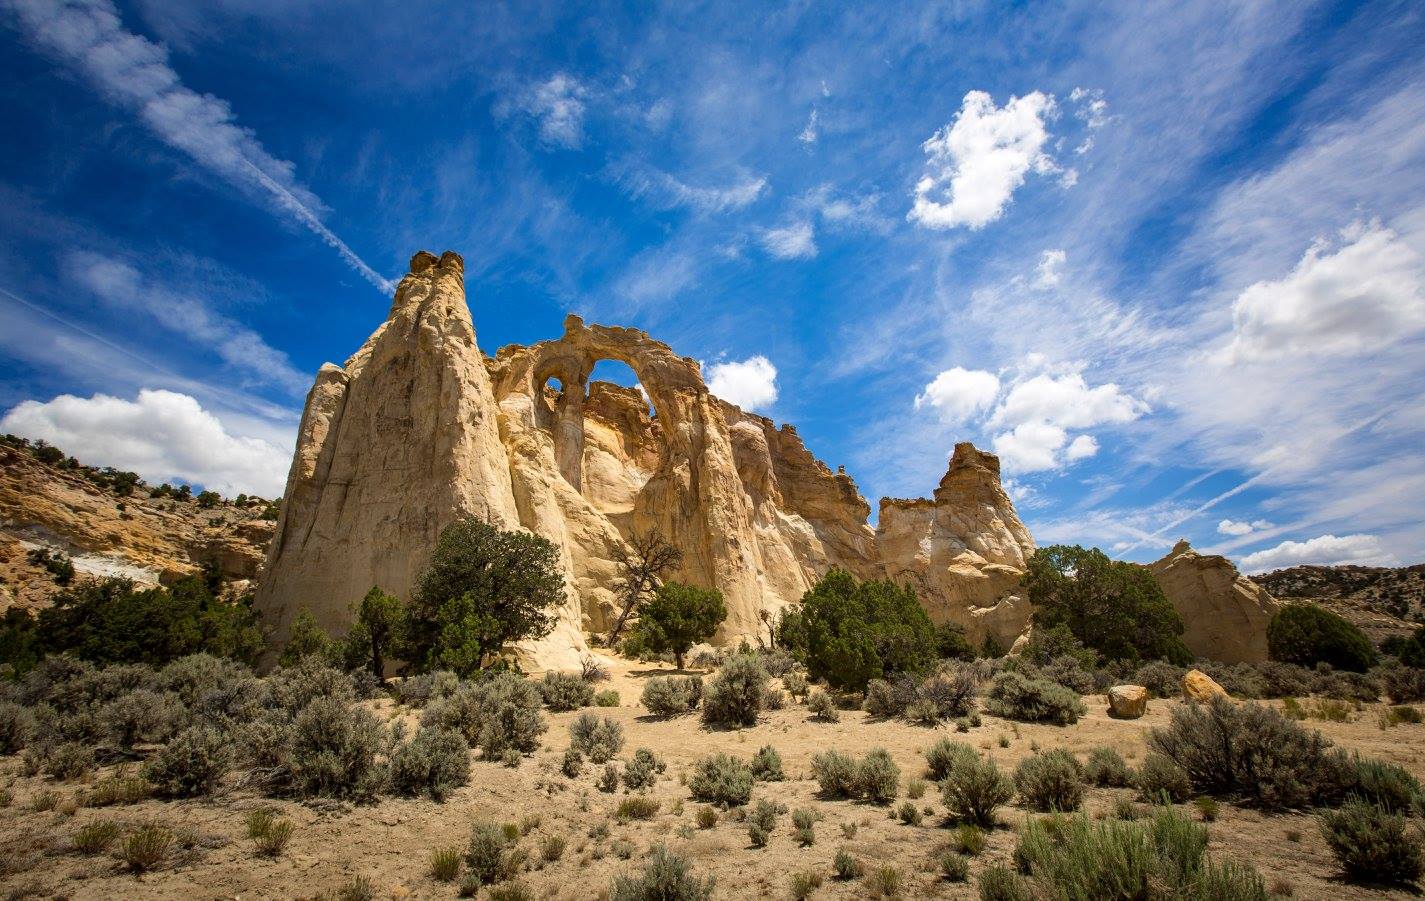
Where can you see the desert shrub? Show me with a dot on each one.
(887, 699)
(434, 762)
(773, 698)
(954, 867)
(1253, 753)
(943, 756)
(1401, 684)
(1386, 785)
(608, 779)
(145, 847)
(607, 698)
(117, 789)
(1241, 680)
(572, 764)
(1280, 680)
(1163, 679)
(68, 760)
(292, 688)
(1051, 780)
(445, 864)
(1160, 777)
(495, 715)
(16, 726)
(767, 765)
(140, 716)
(884, 882)
(666, 877)
(796, 684)
(706, 817)
(850, 632)
(1307, 634)
(672, 696)
(421, 689)
(490, 855)
(846, 866)
(877, 777)
(804, 884)
(96, 837)
(642, 771)
(1207, 808)
(734, 696)
(551, 847)
(273, 839)
(1000, 883)
(720, 779)
(1341, 685)
(483, 588)
(192, 764)
(1116, 608)
(331, 750)
(511, 758)
(599, 739)
(636, 807)
(973, 789)
(969, 839)
(909, 814)
(565, 691)
(1105, 768)
(677, 617)
(761, 820)
(1372, 845)
(950, 692)
(1014, 697)
(822, 707)
(835, 773)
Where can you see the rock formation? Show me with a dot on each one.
(964, 549)
(1127, 702)
(1226, 614)
(1199, 686)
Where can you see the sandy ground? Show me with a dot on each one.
(390, 842)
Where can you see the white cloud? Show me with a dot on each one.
(1034, 418)
(977, 163)
(1235, 528)
(1368, 292)
(1031, 446)
(558, 104)
(1324, 550)
(163, 436)
(750, 384)
(1090, 106)
(792, 242)
(958, 394)
(809, 135)
(1049, 272)
(133, 72)
(667, 191)
(1081, 448)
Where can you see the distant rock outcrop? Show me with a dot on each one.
(964, 550)
(1226, 613)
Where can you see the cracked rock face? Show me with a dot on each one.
(419, 428)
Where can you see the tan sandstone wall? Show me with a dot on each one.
(1226, 613)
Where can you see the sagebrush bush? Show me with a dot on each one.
(573, 763)
(666, 877)
(192, 764)
(796, 684)
(636, 807)
(942, 757)
(720, 779)
(642, 771)
(1401, 684)
(877, 777)
(822, 707)
(145, 847)
(96, 837)
(672, 695)
(565, 691)
(761, 820)
(1106, 768)
(773, 698)
(767, 765)
(490, 854)
(331, 750)
(273, 840)
(421, 689)
(973, 789)
(600, 739)
(1252, 753)
(68, 760)
(886, 698)
(608, 779)
(1158, 777)
(835, 773)
(496, 714)
(734, 696)
(434, 762)
(909, 814)
(607, 698)
(1372, 845)
(954, 867)
(1015, 697)
(846, 866)
(17, 724)
(1161, 678)
(445, 864)
(1051, 780)
(706, 817)
(1388, 786)
(141, 716)
(999, 883)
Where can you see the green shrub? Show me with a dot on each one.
(445, 864)
(734, 696)
(886, 698)
(909, 814)
(1158, 777)
(68, 760)
(666, 877)
(421, 689)
(947, 694)
(720, 779)
(636, 807)
(1388, 786)
(1000, 883)
(599, 739)
(846, 866)
(850, 632)
(96, 837)
(835, 773)
(140, 716)
(1403, 684)
(434, 762)
(969, 839)
(642, 771)
(822, 707)
(1161, 678)
(884, 882)
(973, 789)
(1307, 634)
(804, 883)
(608, 780)
(573, 764)
(1252, 753)
(607, 698)
(16, 726)
(672, 696)
(551, 847)
(192, 764)
(954, 867)
(274, 838)
(877, 777)
(145, 847)
(761, 820)
(1050, 780)
(1371, 844)
(495, 715)
(767, 765)
(706, 817)
(677, 617)
(1207, 808)
(490, 855)
(942, 757)
(1016, 697)
(796, 684)
(1106, 768)
(331, 751)
(565, 691)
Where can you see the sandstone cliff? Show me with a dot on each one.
(964, 549)
(1226, 613)
(419, 428)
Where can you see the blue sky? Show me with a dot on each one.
(1168, 260)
